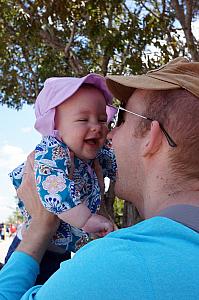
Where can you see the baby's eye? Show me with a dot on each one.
(83, 120)
(103, 120)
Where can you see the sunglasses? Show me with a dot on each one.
(117, 118)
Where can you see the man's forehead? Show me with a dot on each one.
(136, 99)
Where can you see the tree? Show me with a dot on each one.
(15, 218)
(171, 22)
(186, 11)
(72, 37)
(45, 38)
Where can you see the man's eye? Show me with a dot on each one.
(82, 120)
(120, 122)
(121, 119)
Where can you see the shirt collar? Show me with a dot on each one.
(187, 215)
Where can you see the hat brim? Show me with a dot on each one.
(122, 87)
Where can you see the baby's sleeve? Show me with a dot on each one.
(57, 192)
(107, 161)
(16, 175)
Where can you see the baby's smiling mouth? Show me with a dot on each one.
(91, 141)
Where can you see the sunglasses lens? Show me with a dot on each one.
(120, 117)
(111, 112)
(115, 116)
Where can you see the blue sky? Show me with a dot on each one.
(17, 138)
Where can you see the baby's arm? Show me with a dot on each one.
(76, 216)
(81, 217)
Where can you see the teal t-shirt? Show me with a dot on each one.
(155, 259)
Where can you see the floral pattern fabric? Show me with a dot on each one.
(58, 193)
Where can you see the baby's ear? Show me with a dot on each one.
(153, 140)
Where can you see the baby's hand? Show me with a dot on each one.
(98, 225)
(108, 227)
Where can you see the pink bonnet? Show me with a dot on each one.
(58, 89)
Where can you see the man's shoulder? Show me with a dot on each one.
(154, 233)
(142, 260)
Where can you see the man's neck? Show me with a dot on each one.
(159, 202)
(162, 188)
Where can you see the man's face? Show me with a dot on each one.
(128, 152)
(82, 122)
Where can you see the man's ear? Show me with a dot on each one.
(153, 139)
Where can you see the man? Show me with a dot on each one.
(156, 146)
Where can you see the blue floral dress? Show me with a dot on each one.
(58, 193)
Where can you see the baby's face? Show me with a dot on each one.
(82, 122)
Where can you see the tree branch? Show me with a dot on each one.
(67, 48)
(26, 56)
(149, 10)
(51, 40)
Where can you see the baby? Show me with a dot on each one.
(71, 116)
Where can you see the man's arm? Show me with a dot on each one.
(43, 223)
(20, 272)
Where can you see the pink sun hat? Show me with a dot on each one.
(58, 89)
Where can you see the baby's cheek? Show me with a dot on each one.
(105, 131)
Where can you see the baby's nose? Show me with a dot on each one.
(96, 127)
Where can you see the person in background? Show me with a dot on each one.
(156, 144)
